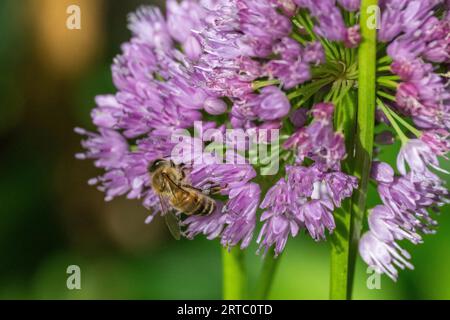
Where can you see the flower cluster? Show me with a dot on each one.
(156, 97)
(289, 65)
(407, 200)
(235, 221)
(208, 58)
(309, 195)
(319, 141)
(245, 41)
(411, 85)
(418, 39)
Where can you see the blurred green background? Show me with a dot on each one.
(51, 218)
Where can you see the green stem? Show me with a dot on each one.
(393, 77)
(264, 83)
(387, 83)
(386, 95)
(266, 276)
(299, 38)
(386, 111)
(384, 68)
(385, 59)
(367, 56)
(404, 123)
(345, 120)
(270, 263)
(308, 90)
(234, 274)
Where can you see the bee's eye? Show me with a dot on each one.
(155, 165)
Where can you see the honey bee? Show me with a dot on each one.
(168, 181)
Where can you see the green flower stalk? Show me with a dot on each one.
(365, 130)
(234, 274)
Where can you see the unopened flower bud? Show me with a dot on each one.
(215, 106)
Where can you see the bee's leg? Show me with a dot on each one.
(215, 189)
(179, 166)
(211, 189)
(188, 186)
(183, 173)
(183, 170)
(208, 191)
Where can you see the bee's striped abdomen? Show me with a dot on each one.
(206, 207)
(197, 205)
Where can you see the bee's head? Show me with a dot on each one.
(158, 163)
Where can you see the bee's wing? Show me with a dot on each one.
(173, 224)
(173, 186)
(170, 218)
(164, 205)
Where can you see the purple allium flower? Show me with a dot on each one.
(384, 225)
(273, 104)
(433, 90)
(288, 49)
(107, 113)
(323, 112)
(340, 186)
(331, 24)
(293, 67)
(317, 216)
(405, 213)
(311, 200)
(211, 225)
(306, 200)
(234, 173)
(288, 6)
(279, 222)
(240, 214)
(382, 172)
(438, 141)
(404, 17)
(314, 53)
(257, 34)
(215, 106)
(408, 201)
(352, 37)
(108, 148)
(299, 117)
(149, 25)
(318, 141)
(262, 15)
(184, 17)
(350, 5)
(417, 36)
(407, 99)
(290, 73)
(326, 192)
(391, 22)
(419, 156)
(382, 256)
(410, 70)
(437, 117)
